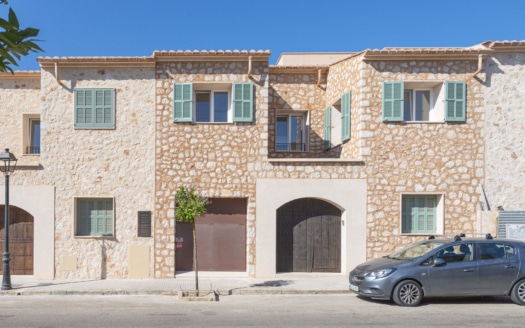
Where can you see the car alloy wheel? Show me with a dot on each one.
(408, 293)
(518, 293)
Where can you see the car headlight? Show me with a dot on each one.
(379, 274)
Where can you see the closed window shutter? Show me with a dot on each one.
(144, 224)
(419, 214)
(345, 116)
(455, 101)
(393, 101)
(242, 102)
(327, 133)
(182, 102)
(95, 217)
(94, 108)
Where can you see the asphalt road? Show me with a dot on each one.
(253, 311)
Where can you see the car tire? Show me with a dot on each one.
(408, 293)
(517, 294)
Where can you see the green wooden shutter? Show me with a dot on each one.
(455, 101)
(419, 214)
(242, 102)
(183, 102)
(327, 135)
(94, 217)
(94, 108)
(393, 101)
(345, 116)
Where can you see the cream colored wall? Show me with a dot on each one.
(116, 163)
(349, 195)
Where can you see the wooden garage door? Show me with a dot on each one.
(221, 238)
(20, 240)
(308, 237)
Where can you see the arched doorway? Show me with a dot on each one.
(308, 236)
(20, 240)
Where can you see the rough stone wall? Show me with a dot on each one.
(218, 159)
(503, 76)
(420, 157)
(99, 163)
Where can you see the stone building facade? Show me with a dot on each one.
(314, 164)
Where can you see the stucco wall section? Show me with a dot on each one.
(99, 163)
(503, 77)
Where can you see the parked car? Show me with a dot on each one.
(445, 267)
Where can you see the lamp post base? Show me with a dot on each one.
(6, 281)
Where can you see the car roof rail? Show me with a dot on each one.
(431, 237)
(488, 236)
(457, 238)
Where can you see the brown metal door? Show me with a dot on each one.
(308, 237)
(221, 238)
(20, 240)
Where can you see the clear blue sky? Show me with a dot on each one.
(137, 28)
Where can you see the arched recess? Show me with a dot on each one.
(21, 240)
(308, 236)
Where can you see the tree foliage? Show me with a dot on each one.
(14, 41)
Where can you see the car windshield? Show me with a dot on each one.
(415, 250)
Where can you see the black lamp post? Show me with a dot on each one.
(7, 167)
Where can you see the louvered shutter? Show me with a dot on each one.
(455, 101)
(144, 223)
(94, 108)
(345, 116)
(393, 101)
(327, 132)
(242, 102)
(182, 102)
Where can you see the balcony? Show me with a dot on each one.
(290, 147)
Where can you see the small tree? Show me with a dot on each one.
(188, 206)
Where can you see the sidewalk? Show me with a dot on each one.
(220, 283)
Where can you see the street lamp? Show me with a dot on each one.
(7, 167)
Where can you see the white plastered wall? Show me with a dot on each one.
(350, 195)
(39, 201)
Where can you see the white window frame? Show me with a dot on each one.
(440, 213)
(27, 135)
(436, 102)
(305, 125)
(212, 88)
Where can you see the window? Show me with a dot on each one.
(457, 253)
(31, 136)
(94, 217)
(424, 101)
(94, 108)
(290, 132)
(212, 102)
(421, 214)
(491, 251)
(337, 122)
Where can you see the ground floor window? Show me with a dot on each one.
(421, 214)
(94, 217)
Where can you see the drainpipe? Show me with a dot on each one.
(56, 73)
(318, 77)
(480, 65)
(249, 66)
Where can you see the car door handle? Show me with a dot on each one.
(469, 270)
(510, 266)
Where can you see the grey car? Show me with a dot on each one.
(445, 267)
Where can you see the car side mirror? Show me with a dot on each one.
(438, 261)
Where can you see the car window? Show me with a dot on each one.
(491, 251)
(456, 253)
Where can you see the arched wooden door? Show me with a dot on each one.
(308, 236)
(21, 234)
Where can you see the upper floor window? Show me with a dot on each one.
(424, 101)
(290, 132)
(31, 137)
(94, 108)
(213, 102)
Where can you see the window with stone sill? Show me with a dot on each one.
(424, 101)
(291, 131)
(31, 131)
(422, 214)
(213, 102)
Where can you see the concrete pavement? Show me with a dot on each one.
(218, 282)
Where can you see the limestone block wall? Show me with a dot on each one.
(503, 77)
(420, 157)
(218, 159)
(115, 163)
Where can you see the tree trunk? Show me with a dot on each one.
(195, 267)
